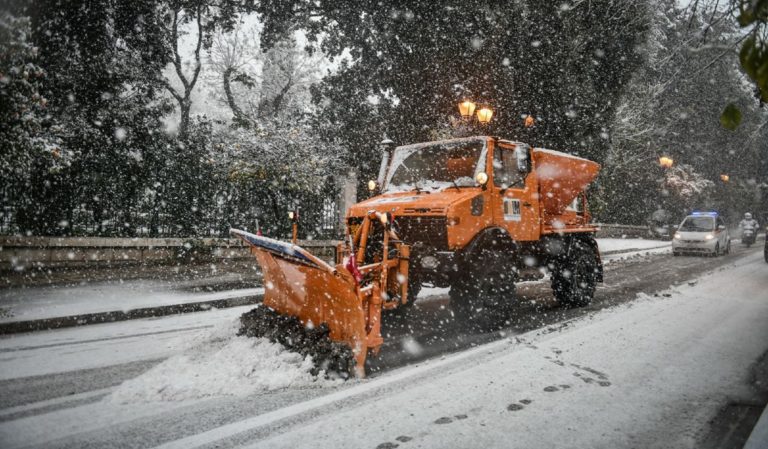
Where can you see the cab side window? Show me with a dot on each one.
(505, 173)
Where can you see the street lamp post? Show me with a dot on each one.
(665, 162)
(293, 215)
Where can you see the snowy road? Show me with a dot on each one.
(624, 372)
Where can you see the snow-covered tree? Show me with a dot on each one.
(272, 168)
(24, 133)
(410, 63)
(271, 85)
(671, 107)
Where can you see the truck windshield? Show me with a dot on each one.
(698, 224)
(434, 167)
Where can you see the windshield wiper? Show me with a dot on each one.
(419, 189)
(456, 185)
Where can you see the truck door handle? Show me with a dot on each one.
(527, 204)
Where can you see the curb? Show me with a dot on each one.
(759, 437)
(61, 322)
(631, 250)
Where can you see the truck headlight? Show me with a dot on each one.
(454, 221)
(429, 262)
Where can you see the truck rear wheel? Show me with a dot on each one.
(574, 277)
(482, 299)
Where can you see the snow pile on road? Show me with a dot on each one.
(617, 244)
(220, 363)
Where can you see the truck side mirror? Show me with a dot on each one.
(523, 156)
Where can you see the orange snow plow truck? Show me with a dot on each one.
(474, 214)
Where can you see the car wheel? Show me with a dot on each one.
(728, 248)
(716, 252)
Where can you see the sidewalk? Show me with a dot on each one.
(76, 297)
(89, 297)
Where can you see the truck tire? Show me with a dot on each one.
(574, 276)
(482, 298)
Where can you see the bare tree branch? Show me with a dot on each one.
(197, 48)
(176, 55)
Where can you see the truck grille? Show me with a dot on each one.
(424, 210)
(432, 231)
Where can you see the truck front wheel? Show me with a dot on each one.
(482, 298)
(574, 277)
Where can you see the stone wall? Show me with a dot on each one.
(24, 252)
(623, 231)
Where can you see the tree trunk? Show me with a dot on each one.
(185, 105)
(238, 113)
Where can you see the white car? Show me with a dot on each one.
(702, 233)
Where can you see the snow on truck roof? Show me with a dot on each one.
(560, 153)
(461, 140)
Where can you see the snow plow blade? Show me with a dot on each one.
(300, 286)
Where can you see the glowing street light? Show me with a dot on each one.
(467, 110)
(725, 178)
(666, 161)
(484, 115)
(529, 121)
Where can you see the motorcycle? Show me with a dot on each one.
(748, 237)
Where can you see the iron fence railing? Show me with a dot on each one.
(319, 217)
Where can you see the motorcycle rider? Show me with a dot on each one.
(749, 223)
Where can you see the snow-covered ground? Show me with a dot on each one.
(220, 363)
(49, 302)
(647, 374)
(604, 381)
(608, 245)
(98, 345)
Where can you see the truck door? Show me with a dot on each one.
(514, 207)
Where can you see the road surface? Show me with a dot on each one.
(648, 364)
